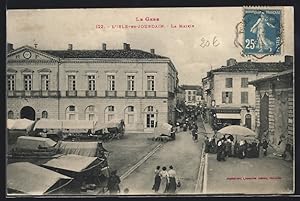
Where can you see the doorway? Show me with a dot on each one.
(28, 113)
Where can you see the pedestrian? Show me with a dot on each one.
(242, 149)
(157, 179)
(194, 135)
(172, 180)
(113, 183)
(164, 180)
(228, 148)
(220, 150)
(265, 145)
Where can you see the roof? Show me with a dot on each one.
(126, 54)
(71, 162)
(21, 124)
(190, 87)
(48, 124)
(28, 142)
(79, 148)
(255, 66)
(287, 72)
(31, 179)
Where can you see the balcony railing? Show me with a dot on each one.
(91, 93)
(33, 93)
(130, 93)
(111, 93)
(71, 93)
(150, 93)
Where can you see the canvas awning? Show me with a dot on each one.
(78, 124)
(79, 148)
(10, 123)
(71, 162)
(228, 116)
(22, 124)
(31, 179)
(48, 124)
(33, 143)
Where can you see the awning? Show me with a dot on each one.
(10, 123)
(48, 124)
(33, 143)
(34, 180)
(70, 162)
(78, 124)
(228, 116)
(22, 124)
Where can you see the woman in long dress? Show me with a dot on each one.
(164, 180)
(157, 179)
(172, 180)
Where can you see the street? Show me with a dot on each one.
(183, 154)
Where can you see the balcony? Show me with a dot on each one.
(110, 93)
(91, 93)
(33, 93)
(150, 93)
(130, 93)
(71, 93)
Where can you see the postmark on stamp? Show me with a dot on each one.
(262, 32)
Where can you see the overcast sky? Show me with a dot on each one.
(55, 29)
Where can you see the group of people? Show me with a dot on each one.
(165, 181)
(226, 147)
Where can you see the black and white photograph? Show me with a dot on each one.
(150, 101)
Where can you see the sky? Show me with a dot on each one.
(56, 28)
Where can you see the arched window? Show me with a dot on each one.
(109, 113)
(129, 115)
(90, 113)
(71, 113)
(150, 108)
(45, 115)
(10, 114)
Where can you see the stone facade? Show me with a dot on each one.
(81, 87)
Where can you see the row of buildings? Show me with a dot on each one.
(258, 95)
(99, 85)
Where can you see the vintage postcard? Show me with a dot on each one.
(150, 101)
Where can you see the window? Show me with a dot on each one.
(111, 82)
(90, 113)
(194, 92)
(10, 114)
(150, 108)
(71, 83)
(130, 109)
(150, 83)
(11, 82)
(244, 97)
(111, 108)
(226, 97)
(228, 82)
(189, 92)
(27, 82)
(194, 98)
(44, 114)
(71, 113)
(72, 108)
(244, 82)
(189, 98)
(45, 82)
(130, 83)
(92, 82)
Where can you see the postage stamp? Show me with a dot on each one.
(262, 31)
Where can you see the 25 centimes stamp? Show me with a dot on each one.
(262, 32)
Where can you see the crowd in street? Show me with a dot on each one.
(226, 147)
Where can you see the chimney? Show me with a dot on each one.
(126, 46)
(288, 60)
(231, 62)
(152, 51)
(10, 47)
(104, 46)
(70, 47)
